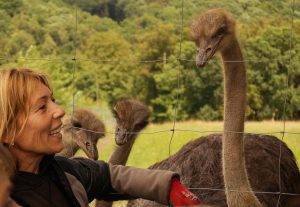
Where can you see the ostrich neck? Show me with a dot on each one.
(69, 150)
(235, 88)
(121, 153)
(119, 157)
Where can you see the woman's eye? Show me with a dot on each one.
(43, 107)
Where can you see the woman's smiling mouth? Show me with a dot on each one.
(55, 131)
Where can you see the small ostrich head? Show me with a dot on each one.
(131, 116)
(212, 32)
(82, 128)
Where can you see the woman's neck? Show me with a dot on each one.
(26, 161)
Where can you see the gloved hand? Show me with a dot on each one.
(180, 196)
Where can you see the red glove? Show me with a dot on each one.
(180, 196)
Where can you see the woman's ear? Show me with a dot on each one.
(6, 141)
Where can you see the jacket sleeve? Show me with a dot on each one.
(142, 183)
(116, 182)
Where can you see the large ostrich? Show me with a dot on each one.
(215, 30)
(131, 117)
(82, 130)
(199, 162)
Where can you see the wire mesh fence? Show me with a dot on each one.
(75, 59)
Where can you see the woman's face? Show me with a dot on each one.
(41, 134)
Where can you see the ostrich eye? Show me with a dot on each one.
(115, 114)
(141, 125)
(220, 31)
(77, 124)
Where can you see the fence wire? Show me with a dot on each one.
(178, 81)
(285, 99)
(177, 98)
(215, 60)
(76, 59)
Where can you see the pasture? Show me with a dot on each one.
(153, 145)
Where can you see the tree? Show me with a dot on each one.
(12, 7)
(271, 55)
(113, 64)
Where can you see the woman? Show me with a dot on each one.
(7, 170)
(30, 127)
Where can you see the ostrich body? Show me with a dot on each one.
(79, 132)
(199, 162)
(131, 117)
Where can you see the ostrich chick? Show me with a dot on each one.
(82, 131)
(131, 117)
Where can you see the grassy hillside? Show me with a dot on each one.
(153, 147)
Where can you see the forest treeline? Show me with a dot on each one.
(104, 50)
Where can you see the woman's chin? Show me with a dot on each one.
(56, 143)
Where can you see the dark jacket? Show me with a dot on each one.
(74, 182)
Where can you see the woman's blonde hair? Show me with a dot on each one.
(16, 87)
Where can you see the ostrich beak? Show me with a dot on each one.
(201, 58)
(91, 150)
(206, 51)
(121, 136)
(204, 55)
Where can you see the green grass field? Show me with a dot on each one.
(153, 147)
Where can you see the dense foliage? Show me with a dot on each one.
(104, 50)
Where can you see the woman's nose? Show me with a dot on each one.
(59, 112)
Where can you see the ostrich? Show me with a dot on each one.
(79, 132)
(215, 30)
(131, 116)
(203, 163)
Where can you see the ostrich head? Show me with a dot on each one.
(82, 128)
(212, 32)
(131, 116)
